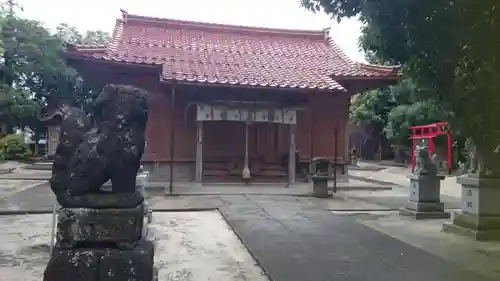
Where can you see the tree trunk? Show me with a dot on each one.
(37, 148)
(4, 129)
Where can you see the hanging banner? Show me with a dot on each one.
(207, 112)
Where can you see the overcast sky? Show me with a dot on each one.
(101, 14)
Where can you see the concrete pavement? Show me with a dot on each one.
(293, 239)
(398, 176)
(40, 197)
(297, 238)
(397, 197)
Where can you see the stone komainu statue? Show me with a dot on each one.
(87, 156)
(102, 233)
(424, 164)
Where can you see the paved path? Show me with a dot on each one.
(9, 187)
(39, 199)
(395, 198)
(297, 238)
(294, 243)
(398, 196)
(398, 176)
(297, 189)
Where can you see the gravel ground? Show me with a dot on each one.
(24, 249)
(192, 246)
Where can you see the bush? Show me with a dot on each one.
(13, 147)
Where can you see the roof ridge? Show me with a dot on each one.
(247, 56)
(228, 27)
(88, 47)
(116, 36)
(379, 68)
(337, 50)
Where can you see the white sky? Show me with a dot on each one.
(101, 14)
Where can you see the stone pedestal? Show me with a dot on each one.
(103, 264)
(479, 217)
(424, 198)
(320, 186)
(122, 227)
(102, 244)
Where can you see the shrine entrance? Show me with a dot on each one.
(424, 135)
(245, 141)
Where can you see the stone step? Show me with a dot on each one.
(41, 165)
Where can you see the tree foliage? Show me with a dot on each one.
(34, 75)
(389, 112)
(13, 147)
(372, 108)
(448, 48)
(71, 35)
(403, 116)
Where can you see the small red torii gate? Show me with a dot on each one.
(428, 132)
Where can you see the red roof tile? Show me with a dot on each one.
(224, 54)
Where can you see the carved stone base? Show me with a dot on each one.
(122, 227)
(483, 229)
(423, 215)
(421, 210)
(102, 264)
(425, 206)
(425, 188)
(320, 186)
(424, 198)
(100, 200)
(480, 215)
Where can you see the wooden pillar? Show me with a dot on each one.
(311, 138)
(347, 147)
(291, 157)
(199, 152)
(245, 173)
(172, 140)
(277, 141)
(335, 155)
(347, 132)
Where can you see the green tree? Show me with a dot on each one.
(447, 48)
(33, 75)
(17, 104)
(370, 111)
(403, 116)
(71, 35)
(389, 113)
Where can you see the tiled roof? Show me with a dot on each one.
(224, 54)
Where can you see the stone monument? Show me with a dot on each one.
(101, 232)
(425, 189)
(479, 217)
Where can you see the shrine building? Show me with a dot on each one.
(232, 103)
